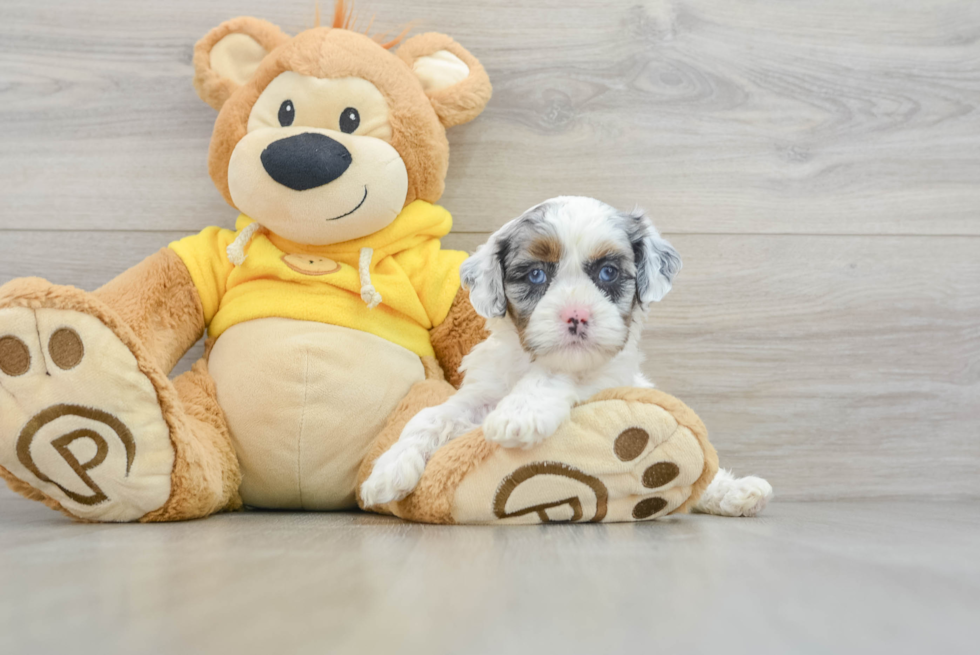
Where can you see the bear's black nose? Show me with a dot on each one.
(305, 161)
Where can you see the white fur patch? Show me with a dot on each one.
(731, 496)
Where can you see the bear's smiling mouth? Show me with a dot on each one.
(337, 218)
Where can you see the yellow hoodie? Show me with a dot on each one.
(415, 277)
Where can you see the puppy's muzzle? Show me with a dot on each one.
(577, 320)
(305, 161)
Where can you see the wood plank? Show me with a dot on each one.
(837, 117)
(837, 367)
(833, 366)
(280, 582)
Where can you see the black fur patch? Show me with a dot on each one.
(522, 295)
(653, 256)
(619, 287)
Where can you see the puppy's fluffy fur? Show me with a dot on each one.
(565, 289)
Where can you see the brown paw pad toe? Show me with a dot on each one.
(65, 348)
(660, 474)
(631, 443)
(648, 507)
(15, 357)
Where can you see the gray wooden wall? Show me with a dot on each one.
(817, 164)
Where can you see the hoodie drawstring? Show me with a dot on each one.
(236, 251)
(369, 294)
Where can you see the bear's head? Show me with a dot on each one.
(324, 137)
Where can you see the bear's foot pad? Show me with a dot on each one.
(79, 421)
(620, 457)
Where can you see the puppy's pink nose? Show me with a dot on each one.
(575, 316)
(576, 313)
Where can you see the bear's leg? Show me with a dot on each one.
(428, 393)
(624, 455)
(89, 422)
(207, 476)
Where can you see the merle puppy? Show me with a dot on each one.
(565, 289)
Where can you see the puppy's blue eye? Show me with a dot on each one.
(537, 276)
(608, 274)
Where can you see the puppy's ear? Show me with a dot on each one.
(228, 55)
(454, 80)
(657, 263)
(483, 275)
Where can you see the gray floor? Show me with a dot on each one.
(854, 576)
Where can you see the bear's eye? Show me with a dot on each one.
(349, 120)
(287, 113)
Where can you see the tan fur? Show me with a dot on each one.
(546, 249)
(605, 250)
(212, 88)
(463, 102)
(433, 371)
(417, 133)
(203, 470)
(455, 337)
(206, 477)
(520, 323)
(158, 301)
(208, 347)
(432, 500)
(428, 393)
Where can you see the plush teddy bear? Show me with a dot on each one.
(332, 312)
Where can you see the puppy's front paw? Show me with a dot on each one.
(746, 497)
(523, 422)
(395, 475)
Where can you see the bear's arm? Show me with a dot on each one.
(205, 256)
(434, 273)
(453, 339)
(158, 299)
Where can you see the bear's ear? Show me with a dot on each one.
(453, 79)
(228, 55)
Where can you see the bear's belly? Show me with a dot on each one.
(304, 401)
